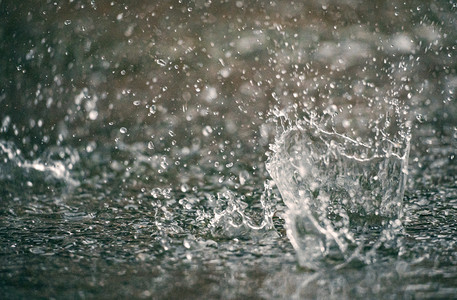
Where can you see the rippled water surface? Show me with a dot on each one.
(135, 138)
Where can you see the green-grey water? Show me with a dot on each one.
(134, 139)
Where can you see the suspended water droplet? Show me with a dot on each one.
(244, 175)
(123, 130)
(207, 130)
(161, 62)
(151, 145)
(225, 72)
(421, 118)
(184, 187)
(210, 94)
(93, 115)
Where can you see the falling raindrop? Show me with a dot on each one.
(207, 130)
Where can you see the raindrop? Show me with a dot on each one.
(161, 62)
(184, 188)
(207, 130)
(93, 115)
(244, 175)
(123, 130)
(210, 94)
(421, 118)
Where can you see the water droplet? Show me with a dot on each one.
(210, 94)
(244, 175)
(161, 62)
(93, 115)
(420, 118)
(207, 130)
(151, 145)
(67, 22)
(225, 72)
(123, 130)
(184, 188)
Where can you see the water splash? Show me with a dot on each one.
(343, 184)
(51, 170)
(233, 217)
